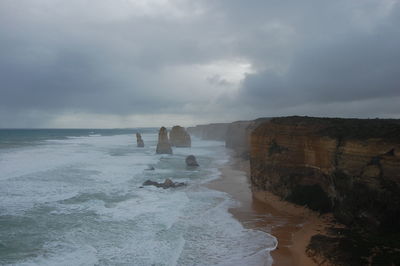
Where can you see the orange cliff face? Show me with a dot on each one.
(348, 166)
(238, 136)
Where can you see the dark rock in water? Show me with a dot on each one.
(168, 183)
(163, 146)
(151, 183)
(179, 137)
(191, 161)
(139, 140)
(151, 168)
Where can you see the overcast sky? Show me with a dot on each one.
(130, 63)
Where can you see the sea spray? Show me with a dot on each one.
(77, 200)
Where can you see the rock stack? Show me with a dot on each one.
(163, 146)
(139, 140)
(179, 137)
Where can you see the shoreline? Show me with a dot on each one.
(290, 224)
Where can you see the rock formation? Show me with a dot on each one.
(348, 166)
(178, 137)
(168, 183)
(191, 161)
(139, 140)
(163, 145)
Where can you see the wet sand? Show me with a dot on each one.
(292, 225)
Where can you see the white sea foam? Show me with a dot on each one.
(79, 201)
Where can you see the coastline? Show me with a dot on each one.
(292, 225)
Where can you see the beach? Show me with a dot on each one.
(292, 225)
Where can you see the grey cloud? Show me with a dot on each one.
(352, 66)
(94, 57)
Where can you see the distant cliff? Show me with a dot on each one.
(236, 134)
(216, 131)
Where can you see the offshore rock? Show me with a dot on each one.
(139, 140)
(178, 137)
(163, 146)
(168, 183)
(191, 161)
(150, 168)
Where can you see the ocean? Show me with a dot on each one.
(74, 197)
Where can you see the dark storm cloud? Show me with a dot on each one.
(340, 52)
(352, 66)
(133, 57)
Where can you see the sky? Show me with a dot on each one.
(145, 63)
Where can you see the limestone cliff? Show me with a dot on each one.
(178, 137)
(163, 145)
(238, 136)
(216, 131)
(348, 166)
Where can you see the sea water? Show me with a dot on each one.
(74, 197)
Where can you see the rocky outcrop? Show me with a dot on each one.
(168, 183)
(216, 131)
(178, 137)
(139, 140)
(191, 161)
(163, 145)
(348, 166)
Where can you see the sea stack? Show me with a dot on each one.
(179, 137)
(163, 146)
(139, 140)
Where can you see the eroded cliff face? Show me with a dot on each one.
(348, 166)
(238, 136)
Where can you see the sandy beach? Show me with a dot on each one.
(292, 225)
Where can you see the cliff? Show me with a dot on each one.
(350, 167)
(238, 136)
(216, 131)
(343, 161)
